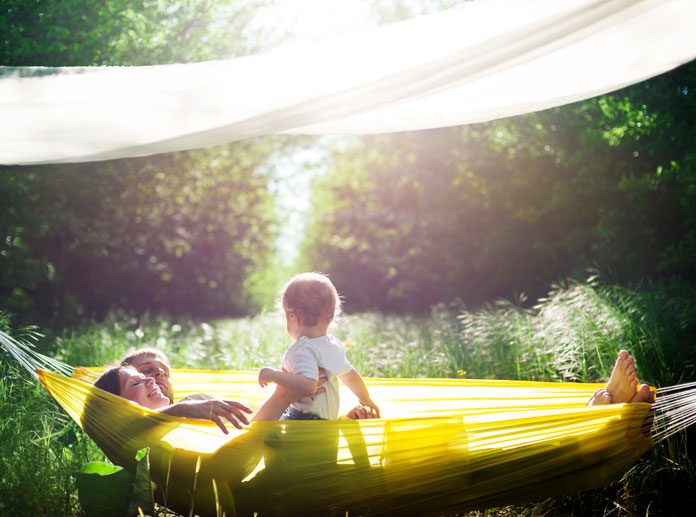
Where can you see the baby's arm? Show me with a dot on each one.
(353, 380)
(295, 382)
(273, 408)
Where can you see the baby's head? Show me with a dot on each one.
(312, 299)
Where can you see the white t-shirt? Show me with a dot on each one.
(305, 357)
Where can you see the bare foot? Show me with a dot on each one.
(644, 394)
(623, 383)
(600, 398)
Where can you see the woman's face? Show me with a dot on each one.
(152, 366)
(141, 389)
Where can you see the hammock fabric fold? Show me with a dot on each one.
(478, 62)
(445, 445)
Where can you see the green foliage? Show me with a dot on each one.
(125, 32)
(104, 489)
(107, 490)
(242, 343)
(176, 233)
(142, 499)
(408, 220)
(41, 449)
(40, 446)
(573, 335)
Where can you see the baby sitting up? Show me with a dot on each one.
(311, 303)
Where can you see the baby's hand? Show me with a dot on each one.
(266, 376)
(368, 403)
(361, 412)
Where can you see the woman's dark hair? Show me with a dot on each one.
(110, 380)
(95, 422)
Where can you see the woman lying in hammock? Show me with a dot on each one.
(144, 377)
(127, 382)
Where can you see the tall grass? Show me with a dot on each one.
(40, 450)
(571, 335)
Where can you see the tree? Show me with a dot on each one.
(407, 220)
(177, 232)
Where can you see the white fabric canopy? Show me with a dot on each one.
(481, 61)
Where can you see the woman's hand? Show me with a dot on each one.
(214, 409)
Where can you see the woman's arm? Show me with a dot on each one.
(214, 409)
(273, 408)
(356, 384)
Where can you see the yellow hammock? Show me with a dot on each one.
(445, 445)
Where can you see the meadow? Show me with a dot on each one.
(573, 334)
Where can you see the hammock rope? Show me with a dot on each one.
(674, 410)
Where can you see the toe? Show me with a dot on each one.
(600, 397)
(644, 394)
(623, 365)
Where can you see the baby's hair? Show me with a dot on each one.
(312, 298)
(136, 354)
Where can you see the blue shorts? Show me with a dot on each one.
(295, 414)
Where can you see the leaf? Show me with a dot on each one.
(142, 498)
(103, 489)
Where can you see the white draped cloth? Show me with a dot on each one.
(481, 61)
